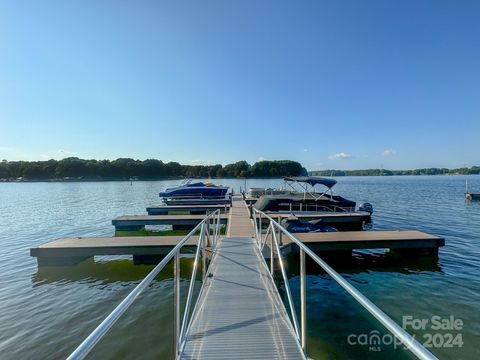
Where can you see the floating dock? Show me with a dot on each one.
(138, 222)
(191, 209)
(70, 251)
(407, 241)
(73, 250)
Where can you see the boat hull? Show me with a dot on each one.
(195, 191)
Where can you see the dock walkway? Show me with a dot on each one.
(239, 222)
(240, 314)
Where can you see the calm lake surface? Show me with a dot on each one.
(45, 313)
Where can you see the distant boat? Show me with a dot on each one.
(198, 190)
(470, 195)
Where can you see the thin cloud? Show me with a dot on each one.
(340, 156)
(389, 152)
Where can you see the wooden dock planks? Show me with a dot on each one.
(127, 245)
(350, 240)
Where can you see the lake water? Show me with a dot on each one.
(45, 313)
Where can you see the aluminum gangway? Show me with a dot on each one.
(239, 313)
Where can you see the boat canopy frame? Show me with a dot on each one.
(307, 183)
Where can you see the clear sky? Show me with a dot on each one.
(332, 84)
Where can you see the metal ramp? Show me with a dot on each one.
(239, 314)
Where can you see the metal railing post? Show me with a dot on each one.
(207, 225)
(287, 286)
(280, 237)
(254, 217)
(176, 280)
(216, 220)
(303, 300)
(271, 253)
(204, 260)
(218, 223)
(192, 284)
(263, 241)
(260, 224)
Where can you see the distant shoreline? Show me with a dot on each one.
(128, 180)
(474, 170)
(126, 169)
(213, 178)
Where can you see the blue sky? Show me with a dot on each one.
(332, 84)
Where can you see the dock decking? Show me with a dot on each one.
(70, 251)
(239, 222)
(351, 240)
(124, 245)
(239, 314)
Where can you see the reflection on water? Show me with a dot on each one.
(108, 270)
(366, 261)
(46, 312)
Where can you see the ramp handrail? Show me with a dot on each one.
(213, 219)
(273, 227)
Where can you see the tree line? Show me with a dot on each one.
(474, 170)
(73, 168)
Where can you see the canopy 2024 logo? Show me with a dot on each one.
(438, 332)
